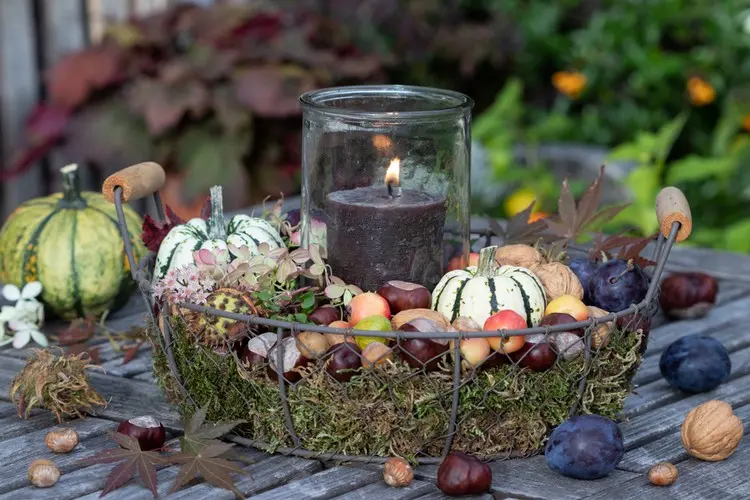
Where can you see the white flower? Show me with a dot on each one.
(30, 311)
(24, 332)
(30, 291)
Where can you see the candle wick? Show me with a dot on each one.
(390, 190)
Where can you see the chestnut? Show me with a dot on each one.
(553, 319)
(148, 431)
(688, 295)
(461, 474)
(402, 295)
(422, 353)
(292, 360)
(536, 354)
(633, 322)
(324, 315)
(256, 350)
(343, 361)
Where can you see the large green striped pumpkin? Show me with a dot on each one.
(479, 292)
(71, 243)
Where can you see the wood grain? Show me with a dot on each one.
(329, 483)
(381, 491)
(137, 181)
(531, 478)
(671, 207)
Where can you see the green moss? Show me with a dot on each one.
(397, 411)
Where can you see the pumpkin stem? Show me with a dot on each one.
(216, 228)
(71, 187)
(487, 265)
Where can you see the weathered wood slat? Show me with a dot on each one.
(143, 362)
(381, 491)
(652, 425)
(127, 398)
(727, 265)
(6, 410)
(733, 337)
(13, 426)
(146, 377)
(327, 484)
(659, 392)
(70, 486)
(718, 318)
(437, 495)
(725, 480)
(668, 448)
(531, 478)
(17, 454)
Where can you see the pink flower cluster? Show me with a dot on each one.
(185, 284)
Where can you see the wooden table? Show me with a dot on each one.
(650, 424)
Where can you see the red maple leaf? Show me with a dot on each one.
(153, 232)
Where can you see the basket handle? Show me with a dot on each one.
(671, 207)
(136, 181)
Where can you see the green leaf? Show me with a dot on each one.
(695, 168)
(308, 300)
(503, 115)
(735, 236)
(666, 136)
(726, 129)
(644, 184)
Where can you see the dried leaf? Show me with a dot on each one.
(78, 331)
(134, 460)
(214, 470)
(566, 206)
(131, 352)
(519, 230)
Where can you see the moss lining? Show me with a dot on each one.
(395, 410)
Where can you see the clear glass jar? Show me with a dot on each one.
(386, 169)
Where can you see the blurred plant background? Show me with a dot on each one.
(656, 89)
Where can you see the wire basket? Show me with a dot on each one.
(421, 398)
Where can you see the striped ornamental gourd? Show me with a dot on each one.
(71, 243)
(479, 292)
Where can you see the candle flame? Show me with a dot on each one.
(392, 174)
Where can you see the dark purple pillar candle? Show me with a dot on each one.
(373, 238)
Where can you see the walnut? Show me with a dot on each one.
(519, 255)
(558, 280)
(662, 474)
(711, 431)
(600, 335)
(410, 314)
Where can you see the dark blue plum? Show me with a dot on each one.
(293, 216)
(695, 363)
(617, 284)
(584, 268)
(585, 447)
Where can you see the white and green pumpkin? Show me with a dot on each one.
(479, 292)
(214, 234)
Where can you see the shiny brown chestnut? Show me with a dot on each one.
(422, 353)
(553, 319)
(536, 354)
(461, 474)
(688, 295)
(148, 431)
(343, 361)
(256, 350)
(324, 315)
(402, 295)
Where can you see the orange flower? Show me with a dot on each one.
(537, 216)
(746, 122)
(570, 83)
(700, 91)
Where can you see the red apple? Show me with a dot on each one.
(402, 295)
(367, 304)
(506, 319)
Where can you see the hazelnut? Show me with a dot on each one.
(711, 431)
(397, 473)
(600, 334)
(61, 440)
(43, 473)
(662, 474)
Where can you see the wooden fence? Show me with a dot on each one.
(34, 34)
